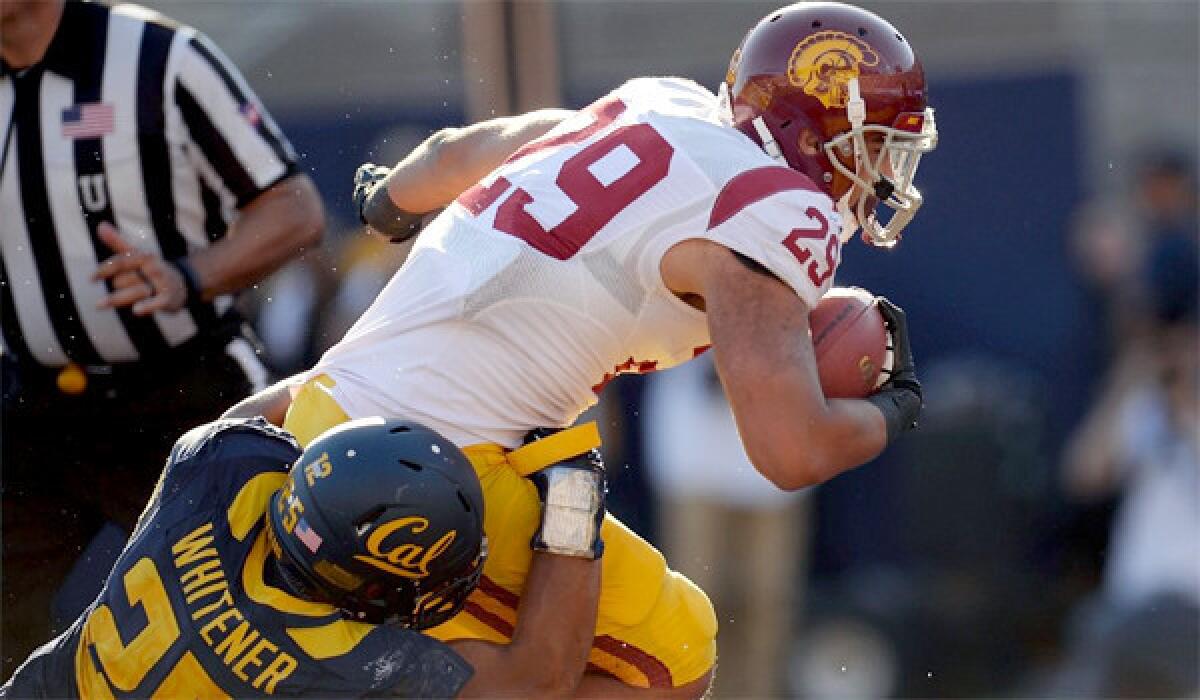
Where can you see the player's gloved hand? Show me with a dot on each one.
(365, 178)
(376, 209)
(900, 398)
(573, 494)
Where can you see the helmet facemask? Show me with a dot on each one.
(440, 605)
(887, 176)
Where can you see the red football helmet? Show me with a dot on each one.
(847, 77)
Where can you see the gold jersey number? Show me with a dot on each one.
(126, 665)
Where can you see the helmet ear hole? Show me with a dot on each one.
(808, 142)
(463, 500)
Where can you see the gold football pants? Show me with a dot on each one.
(655, 628)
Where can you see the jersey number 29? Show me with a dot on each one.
(596, 202)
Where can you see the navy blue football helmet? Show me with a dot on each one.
(383, 519)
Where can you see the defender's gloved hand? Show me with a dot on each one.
(900, 397)
(573, 493)
(376, 209)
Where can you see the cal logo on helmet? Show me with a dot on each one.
(407, 559)
(823, 64)
(384, 519)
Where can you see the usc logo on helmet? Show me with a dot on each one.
(409, 560)
(823, 64)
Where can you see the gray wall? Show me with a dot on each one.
(1138, 58)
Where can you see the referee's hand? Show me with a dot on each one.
(137, 277)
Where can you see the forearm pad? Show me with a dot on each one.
(573, 495)
(900, 406)
(381, 213)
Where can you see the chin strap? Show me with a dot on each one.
(768, 140)
(856, 106)
(725, 115)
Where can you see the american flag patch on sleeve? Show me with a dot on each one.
(250, 113)
(88, 121)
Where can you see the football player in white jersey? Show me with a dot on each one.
(631, 236)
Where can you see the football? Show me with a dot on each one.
(851, 342)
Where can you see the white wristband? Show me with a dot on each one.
(570, 512)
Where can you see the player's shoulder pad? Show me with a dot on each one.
(779, 218)
(250, 440)
(669, 82)
(681, 93)
(763, 189)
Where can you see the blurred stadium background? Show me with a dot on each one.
(961, 563)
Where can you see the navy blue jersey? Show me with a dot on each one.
(188, 612)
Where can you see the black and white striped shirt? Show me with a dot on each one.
(140, 122)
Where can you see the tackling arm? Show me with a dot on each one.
(271, 403)
(441, 168)
(555, 623)
(557, 613)
(764, 356)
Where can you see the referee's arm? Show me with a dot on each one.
(240, 153)
(274, 227)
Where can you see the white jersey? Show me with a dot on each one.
(542, 282)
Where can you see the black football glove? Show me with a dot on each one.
(376, 209)
(365, 178)
(573, 494)
(900, 397)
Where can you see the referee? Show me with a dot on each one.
(141, 184)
